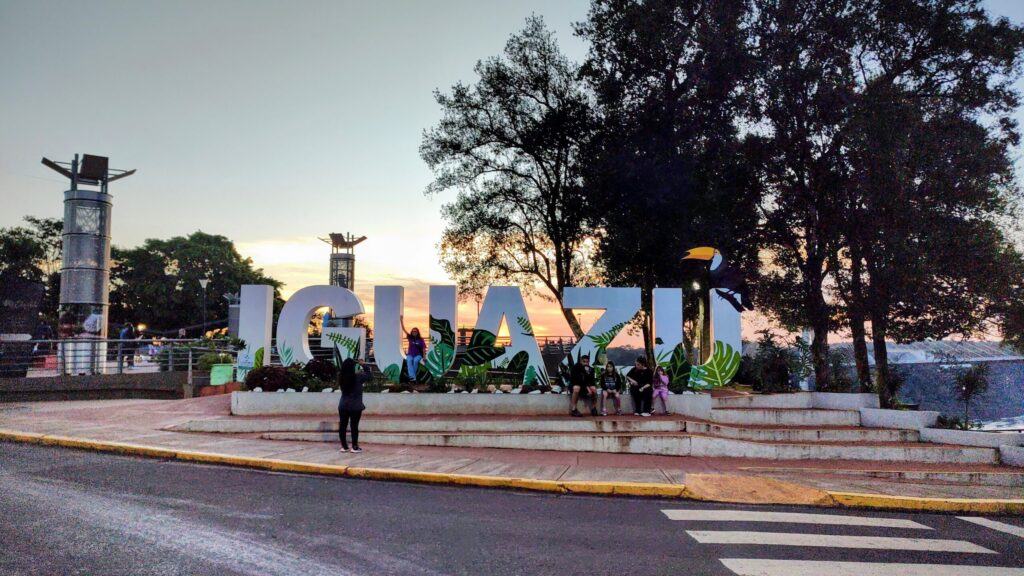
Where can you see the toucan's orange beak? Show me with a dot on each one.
(702, 253)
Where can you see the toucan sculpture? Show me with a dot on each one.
(727, 280)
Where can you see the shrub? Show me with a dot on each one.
(269, 378)
(323, 370)
(772, 365)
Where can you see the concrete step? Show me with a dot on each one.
(609, 424)
(673, 444)
(665, 444)
(802, 434)
(796, 400)
(786, 416)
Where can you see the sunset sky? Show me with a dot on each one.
(271, 123)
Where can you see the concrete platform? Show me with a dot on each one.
(141, 426)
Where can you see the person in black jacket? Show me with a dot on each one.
(582, 381)
(640, 380)
(350, 407)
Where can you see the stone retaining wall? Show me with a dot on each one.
(150, 385)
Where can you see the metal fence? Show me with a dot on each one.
(93, 356)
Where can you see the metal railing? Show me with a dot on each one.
(94, 356)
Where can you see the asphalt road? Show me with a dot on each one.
(72, 512)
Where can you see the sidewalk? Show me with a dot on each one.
(143, 425)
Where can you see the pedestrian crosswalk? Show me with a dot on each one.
(893, 536)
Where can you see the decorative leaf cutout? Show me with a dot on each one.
(481, 349)
(601, 341)
(530, 377)
(519, 362)
(351, 345)
(718, 370)
(443, 327)
(524, 323)
(287, 357)
(393, 373)
(678, 367)
(439, 359)
(257, 358)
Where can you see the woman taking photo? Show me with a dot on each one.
(350, 407)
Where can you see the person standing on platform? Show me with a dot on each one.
(350, 407)
(640, 379)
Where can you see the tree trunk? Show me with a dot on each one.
(574, 323)
(882, 377)
(857, 319)
(819, 322)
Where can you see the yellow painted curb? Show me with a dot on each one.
(960, 505)
(844, 499)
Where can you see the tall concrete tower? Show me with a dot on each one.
(85, 264)
(343, 262)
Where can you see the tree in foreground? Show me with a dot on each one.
(510, 144)
(158, 283)
(667, 170)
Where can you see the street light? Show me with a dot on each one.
(204, 282)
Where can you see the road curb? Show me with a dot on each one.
(951, 505)
(649, 490)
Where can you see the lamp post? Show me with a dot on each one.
(204, 282)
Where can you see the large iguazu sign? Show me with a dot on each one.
(521, 354)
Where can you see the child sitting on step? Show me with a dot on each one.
(660, 390)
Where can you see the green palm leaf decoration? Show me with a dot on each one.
(257, 358)
(481, 349)
(350, 345)
(524, 323)
(601, 341)
(718, 370)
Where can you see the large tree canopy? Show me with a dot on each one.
(510, 145)
(668, 170)
(158, 283)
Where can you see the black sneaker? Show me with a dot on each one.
(357, 449)
(576, 413)
(593, 411)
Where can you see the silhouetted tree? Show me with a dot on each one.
(668, 168)
(158, 283)
(510, 144)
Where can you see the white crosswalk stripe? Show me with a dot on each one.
(892, 542)
(832, 541)
(789, 518)
(1000, 526)
(756, 567)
